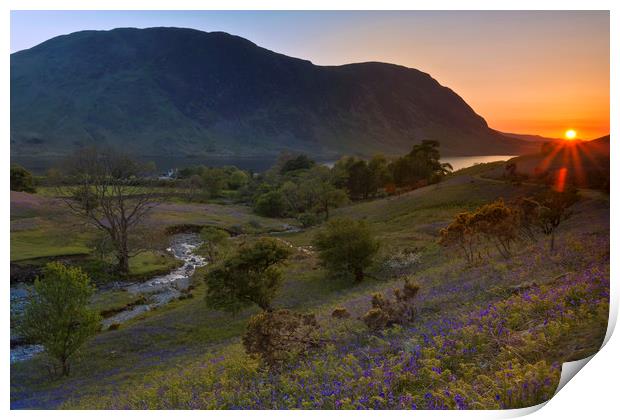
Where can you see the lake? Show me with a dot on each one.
(460, 162)
(39, 165)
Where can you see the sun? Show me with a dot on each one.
(570, 134)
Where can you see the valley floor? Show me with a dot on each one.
(528, 314)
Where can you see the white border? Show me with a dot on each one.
(593, 394)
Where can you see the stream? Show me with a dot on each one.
(158, 291)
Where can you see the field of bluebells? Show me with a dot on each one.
(529, 315)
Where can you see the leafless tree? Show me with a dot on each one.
(105, 188)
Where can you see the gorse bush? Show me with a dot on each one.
(501, 225)
(280, 336)
(386, 312)
(57, 315)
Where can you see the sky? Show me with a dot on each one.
(530, 72)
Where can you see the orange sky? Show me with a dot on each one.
(524, 72)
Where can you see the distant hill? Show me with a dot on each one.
(532, 137)
(183, 92)
(587, 163)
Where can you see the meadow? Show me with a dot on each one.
(487, 335)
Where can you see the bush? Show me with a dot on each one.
(57, 315)
(270, 204)
(21, 180)
(278, 336)
(347, 246)
(386, 312)
(340, 313)
(309, 219)
(214, 242)
(250, 276)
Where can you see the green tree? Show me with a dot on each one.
(270, 204)
(379, 173)
(347, 246)
(324, 195)
(250, 276)
(57, 315)
(237, 179)
(21, 180)
(297, 163)
(421, 164)
(214, 181)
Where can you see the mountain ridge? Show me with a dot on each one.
(178, 91)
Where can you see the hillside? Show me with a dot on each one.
(507, 324)
(587, 163)
(183, 92)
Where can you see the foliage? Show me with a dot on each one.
(250, 276)
(270, 204)
(420, 165)
(21, 180)
(461, 233)
(340, 313)
(214, 242)
(387, 312)
(214, 181)
(57, 315)
(554, 209)
(280, 336)
(347, 245)
(494, 223)
(297, 163)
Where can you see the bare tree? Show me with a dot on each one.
(104, 187)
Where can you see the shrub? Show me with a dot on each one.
(461, 234)
(387, 312)
(309, 219)
(250, 276)
(554, 209)
(57, 315)
(340, 313)
(278, 336)
(215, 240)
(21, 180)
(494, 222)
(270, 204)
(347, 246)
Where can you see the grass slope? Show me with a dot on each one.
(186, 356)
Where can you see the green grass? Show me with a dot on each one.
(46, 241)
(147, 263)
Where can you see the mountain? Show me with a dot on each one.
(183, 92)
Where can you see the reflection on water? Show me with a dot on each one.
(460, 162)
(39, 165)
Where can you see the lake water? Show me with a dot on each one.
(460, 162)
(39, 165)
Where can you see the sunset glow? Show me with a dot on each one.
(570, 134)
